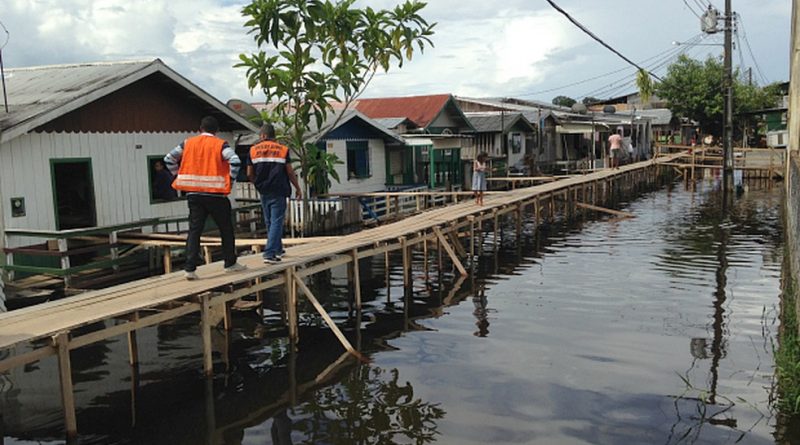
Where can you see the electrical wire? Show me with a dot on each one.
(600, 76)
(691, 9)
(749, 49)
(8, 36)
(673, 53)
(598, 39)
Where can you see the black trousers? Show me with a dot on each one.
(200, 207)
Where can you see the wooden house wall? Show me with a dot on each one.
(377, 158)
(119, 172)
(144, 106)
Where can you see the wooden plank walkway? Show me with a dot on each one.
(158, 299)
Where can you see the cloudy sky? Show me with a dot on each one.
(482, 48)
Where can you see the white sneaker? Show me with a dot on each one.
(191, 276)
(236, 267)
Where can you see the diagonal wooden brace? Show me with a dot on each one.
(342, 339)
(450, 251)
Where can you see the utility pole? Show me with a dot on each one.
(727, 129)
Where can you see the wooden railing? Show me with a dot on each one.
(101, 244)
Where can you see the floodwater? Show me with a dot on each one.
(654, 330)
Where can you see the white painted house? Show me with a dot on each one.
(79, 142)
(362, 145)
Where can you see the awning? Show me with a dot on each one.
(580, 128)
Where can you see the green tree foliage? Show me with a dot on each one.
(590, 100)
(645, 85)
(694, 91)
(564, 101)
(312, 53)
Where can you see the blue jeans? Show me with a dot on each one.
(274, 209)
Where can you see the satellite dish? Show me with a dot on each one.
(579, 108)
(609, 109)
(245, 110)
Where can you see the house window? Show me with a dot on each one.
(160, 181)
(358, 165)
(516, 143)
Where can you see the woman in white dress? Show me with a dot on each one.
(479, 177)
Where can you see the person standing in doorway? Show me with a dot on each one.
(615, 147)
(270, 170)
(205, 167)
(479, 177)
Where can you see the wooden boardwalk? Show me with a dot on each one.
(36, 332)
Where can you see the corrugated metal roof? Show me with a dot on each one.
(39, 94)
(485, 122)
(334, 121)
(393, 122)
(422, 110)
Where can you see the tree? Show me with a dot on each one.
(313, 53)
(645, 85)
(694, 91)
(590, 100)
(564, 101)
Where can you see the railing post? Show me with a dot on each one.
(63, 247)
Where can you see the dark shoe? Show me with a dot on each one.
(272, 260)
(281, 254)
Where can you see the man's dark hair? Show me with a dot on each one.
(209, 124)
(268, 131)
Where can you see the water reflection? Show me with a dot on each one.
(570, 334)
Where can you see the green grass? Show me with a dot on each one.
(787, 356)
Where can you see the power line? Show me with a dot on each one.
(749, 49)
(630, 78)
(600, 76)
(691, 9)
(598, 39)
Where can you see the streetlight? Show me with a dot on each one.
(676, 43)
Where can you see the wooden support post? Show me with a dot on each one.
(406, 262)
(480, 234)
(205, 328)
(519, 221)
(227, 319)
(133, 346)
(167, 259)
(426, 261)
(496, 228)
(63, 247)
(536, 210)
(443, 243)
(471, 219)
(112, 241)
(328, 320)
(356, 279)
(207, 254)
(397, 207)
(61, 343)
(291, 305)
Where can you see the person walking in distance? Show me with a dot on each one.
(270, 170)
(615, 146)
(479, 177)
(205, 168)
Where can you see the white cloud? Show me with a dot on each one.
(482, 47)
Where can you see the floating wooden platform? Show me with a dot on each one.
(37, 332)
